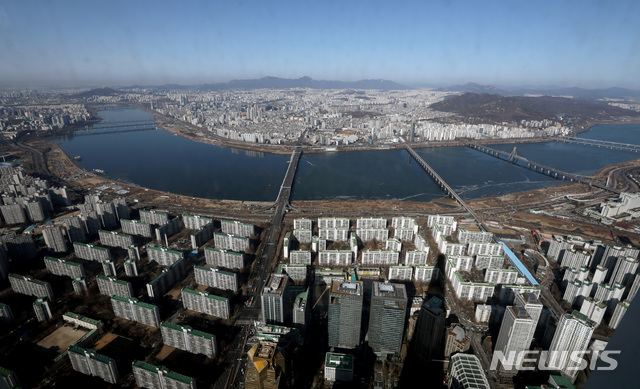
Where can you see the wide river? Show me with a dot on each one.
(163, 161)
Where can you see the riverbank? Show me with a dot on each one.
(82, 181)
(198, 134)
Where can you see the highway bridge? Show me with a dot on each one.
(447, 189)
(113, 130)
(600, 143)
(537, 167)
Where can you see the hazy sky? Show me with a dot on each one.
(512, 42)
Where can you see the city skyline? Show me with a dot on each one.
(584, 44)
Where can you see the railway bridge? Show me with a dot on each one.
(516, 159)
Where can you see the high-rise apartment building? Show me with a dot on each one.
(572, 335)
(206, 303)
(54, 238)
(224, 258)
(187, 339)
(109, 286)
(29, 286)
(153, 377)
(515, 335)
(216, 278)
(132, 309)
(63, 267)
(88, 361)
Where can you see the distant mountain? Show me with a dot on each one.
(578, 93)
(98, 92)
(303, 82)
(475, 88)
(495, 108)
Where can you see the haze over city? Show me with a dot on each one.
(253, 194)
(589, 44)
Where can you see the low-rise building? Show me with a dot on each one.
(338, 367)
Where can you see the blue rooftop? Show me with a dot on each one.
(521, 268)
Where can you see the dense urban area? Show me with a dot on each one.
(107, 284)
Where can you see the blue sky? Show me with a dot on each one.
(505, 43)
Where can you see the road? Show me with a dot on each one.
(266, 260)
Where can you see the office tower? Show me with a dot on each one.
(345, 314)
(187, 339)
(466, 372)
(515, 334)
(265, 366)
(88, 361)
(386, 322)
(572, 335)
(429, 330)
(132, 309)
(338, 367)
(530, 302)
(204, 302)
(153, 377)
(274, 310)
(42, 309)
(300, 309)
(54, 238)
(110, 286)
(456, 340)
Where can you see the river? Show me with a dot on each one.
(163, 161)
